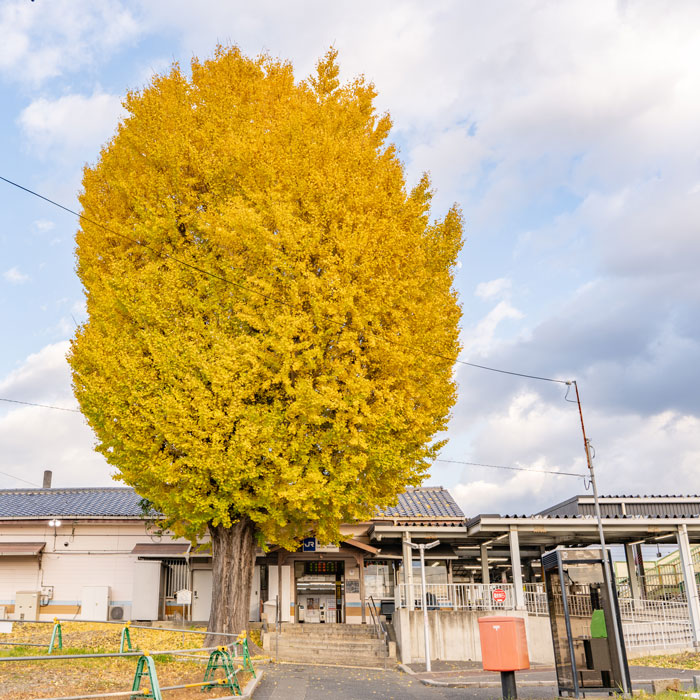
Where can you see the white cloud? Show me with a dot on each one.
(43, 40)
(44, 225)
(479, 339)
(34, 438)
(71, 123)
(15, 276)
(636, 454)
(493, 289)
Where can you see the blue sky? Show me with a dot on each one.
(568, 133)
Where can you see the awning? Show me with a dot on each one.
(161, 551)
(442, 551)
(361, 545)
(21, 549)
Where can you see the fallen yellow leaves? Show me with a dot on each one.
(22, 680)
(687, 659)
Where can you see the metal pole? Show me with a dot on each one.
(426, 631)
(509, 690)
(606, 563)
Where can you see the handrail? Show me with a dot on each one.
(379, 626)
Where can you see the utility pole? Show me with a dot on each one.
(607, 571)
(426, 629)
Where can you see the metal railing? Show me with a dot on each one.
(536, 602)
(536, 599)
(646, 623)
(380, 629)
(457, 596)
(655, 623)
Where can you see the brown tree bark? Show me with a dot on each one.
(233, 561)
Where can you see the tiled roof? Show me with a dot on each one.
(427, 502)
(64, 503)
(424, 502)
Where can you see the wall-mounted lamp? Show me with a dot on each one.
(54, 523)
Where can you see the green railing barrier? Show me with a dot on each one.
(221, 659)
(145, 666)
(242, 641)
(125, 638)
(56, 636)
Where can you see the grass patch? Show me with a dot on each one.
(687, 660)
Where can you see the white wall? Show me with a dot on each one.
(454, 635)
(78, 554)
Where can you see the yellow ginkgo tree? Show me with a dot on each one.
(271, 319)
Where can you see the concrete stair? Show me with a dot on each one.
(330, 644)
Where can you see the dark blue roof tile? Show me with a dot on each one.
(428, 502)
(424, 502)
(73, 502)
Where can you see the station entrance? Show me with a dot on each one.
(320, 591)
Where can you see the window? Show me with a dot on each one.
(435, 571)
(176, 576)
(379, 579)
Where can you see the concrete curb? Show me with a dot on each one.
(252, 685)
(311, 663)
(249, 689)
(497, 684)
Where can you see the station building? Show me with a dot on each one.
(89, 553)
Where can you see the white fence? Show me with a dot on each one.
(536, 599)
(457, 596)
(645, 623)
(655, 623)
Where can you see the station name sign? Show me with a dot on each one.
(310, 544)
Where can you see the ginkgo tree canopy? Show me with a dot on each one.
(271, 320)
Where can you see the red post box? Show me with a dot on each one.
(504, 649)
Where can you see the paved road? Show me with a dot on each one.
(471, 672)
(293, 682)
(296, 682)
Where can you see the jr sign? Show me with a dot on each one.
(310, 544)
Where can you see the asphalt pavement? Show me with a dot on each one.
(295, 682)
(298, 682)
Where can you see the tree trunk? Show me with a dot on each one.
(233, 561)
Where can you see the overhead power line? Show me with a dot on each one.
(12, 476)
(267, 297)
(41, 405)
(515, 469)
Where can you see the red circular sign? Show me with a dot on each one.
(498, 595)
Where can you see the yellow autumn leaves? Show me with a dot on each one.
(271, 313)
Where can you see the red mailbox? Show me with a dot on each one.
(503, 644)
